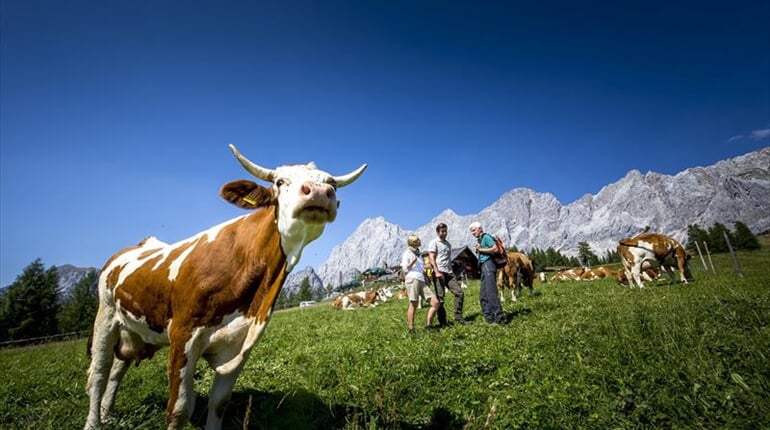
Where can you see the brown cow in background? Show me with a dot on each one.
(519, 271)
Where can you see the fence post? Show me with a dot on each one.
(700, 254)
(732, 254)
(706, 245)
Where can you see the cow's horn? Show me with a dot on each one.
(350, 177)
(256, 170)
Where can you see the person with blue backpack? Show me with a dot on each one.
(486, 248)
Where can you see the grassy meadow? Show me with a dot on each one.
(577, 355)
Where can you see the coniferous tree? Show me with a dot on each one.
(743, 238)
(611, 256)
(305, 292)
(30, 305)
(717, 242)
(555, 258)
(696, 233)
(4, 324)
(586, 256)
(551, 258)
(78, 311)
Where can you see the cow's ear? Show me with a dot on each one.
(246, 194)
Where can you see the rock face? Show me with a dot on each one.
(295, 278)
(731, 190)
(69, 276)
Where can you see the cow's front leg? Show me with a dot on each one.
(636, 276)
(228, 364)
(219, 396)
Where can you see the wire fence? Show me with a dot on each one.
(43, 339)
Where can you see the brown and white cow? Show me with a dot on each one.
(597, 273)
(573, 274)
(653, 248)
(519, 271)
(361, 299)
(208, 296)
(648, 274)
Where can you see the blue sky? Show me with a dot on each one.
(115, 116)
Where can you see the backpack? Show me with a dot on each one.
(501, 257)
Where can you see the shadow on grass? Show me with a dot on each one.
(511, 316)
(257, 410)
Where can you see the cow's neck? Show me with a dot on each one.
(264, 248)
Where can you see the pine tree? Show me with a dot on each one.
(78, 311)
(696, 233)
(586, 256)
(611, 256)
(30, 305)
(717, 242)
(743, 238)
(305, 292)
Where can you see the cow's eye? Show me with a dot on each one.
(332, 182)
(279, 182)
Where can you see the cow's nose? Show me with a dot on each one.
(309, 188)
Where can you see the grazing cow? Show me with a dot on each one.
(208, 296)
(653, 248)
(519, 271)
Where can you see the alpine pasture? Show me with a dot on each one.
(577, 355)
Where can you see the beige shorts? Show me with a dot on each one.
(416, 289)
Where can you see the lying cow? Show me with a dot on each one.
(648, 274)
(597, 273)
(656, 249)
(573, 274)
(361, 299)
(209, 296)
(519, 271)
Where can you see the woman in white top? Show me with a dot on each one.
(414, 278)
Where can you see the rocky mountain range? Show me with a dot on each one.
(732, 190)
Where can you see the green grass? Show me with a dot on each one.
(578, 355)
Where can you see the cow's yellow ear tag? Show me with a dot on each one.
(250, 200)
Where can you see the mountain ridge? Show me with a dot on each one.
(736, 189)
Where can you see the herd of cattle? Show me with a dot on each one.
(644, 258)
